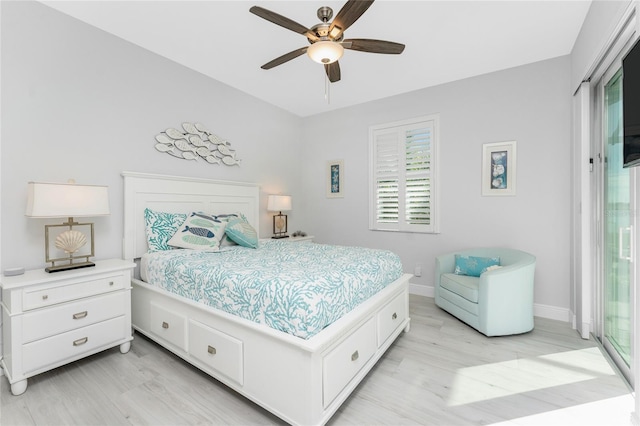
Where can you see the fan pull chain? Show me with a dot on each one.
(327, 89)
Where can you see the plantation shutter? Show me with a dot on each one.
(387, 170)
(403, 176)
(418, 176)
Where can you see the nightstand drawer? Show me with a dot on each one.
(42, 296)
(49, 351)
(69, 316)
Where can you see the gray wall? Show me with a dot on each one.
(529, 104)
(80, 103)
(77, 102)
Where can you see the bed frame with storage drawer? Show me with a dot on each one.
(301, 381)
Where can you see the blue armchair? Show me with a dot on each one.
(499, 302)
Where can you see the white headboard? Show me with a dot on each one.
(175, 194)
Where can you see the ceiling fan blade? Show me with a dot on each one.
(373, 46)
(350, 12)
(282, 21)
(333, 71)
(284, 58)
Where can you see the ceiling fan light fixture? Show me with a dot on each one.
(325, 52)
(334, 33)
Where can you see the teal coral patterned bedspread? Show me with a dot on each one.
(298, 288)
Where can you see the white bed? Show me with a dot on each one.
(301, 381)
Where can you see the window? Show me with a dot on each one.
(403, 178)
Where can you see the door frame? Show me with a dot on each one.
(598, 153)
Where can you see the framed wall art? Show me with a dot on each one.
(335, 179)
(499, 168)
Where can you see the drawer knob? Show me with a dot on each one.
(165, 324)
(355, 356)
(394, 316)
(80, 341)
(45, 296)
(110, 282)
(80, 315)
(211, 350)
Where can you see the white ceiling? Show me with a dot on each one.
(445, 41)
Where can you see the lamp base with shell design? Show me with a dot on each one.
(69, 241)
(69, 266)
(280, 226)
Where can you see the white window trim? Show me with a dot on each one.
(402, 226)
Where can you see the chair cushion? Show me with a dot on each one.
(462, 285)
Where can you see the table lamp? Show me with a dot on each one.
(53, 200)
(279, 203)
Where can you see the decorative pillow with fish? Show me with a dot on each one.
(226, 241)
(160, 227)
(199, 231)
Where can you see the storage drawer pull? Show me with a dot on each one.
(165, 324)
(355, 356)
(110, 282)
(45, 296)
(80, 315)
(80, 341)
(211, 350)
(394, 316)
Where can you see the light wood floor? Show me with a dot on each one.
(440, 373)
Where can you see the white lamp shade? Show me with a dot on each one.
(325, 52)
(279, 203)
(66, 200)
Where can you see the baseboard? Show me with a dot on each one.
(543, 311)
(552, 312)
(421, 290)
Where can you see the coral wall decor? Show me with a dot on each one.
(196, 142)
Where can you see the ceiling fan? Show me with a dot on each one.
(327, 38)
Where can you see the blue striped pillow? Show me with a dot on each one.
(242, 232)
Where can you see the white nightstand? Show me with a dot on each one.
(51, 319)
(306, 238)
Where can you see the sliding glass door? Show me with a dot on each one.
(616, 250)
